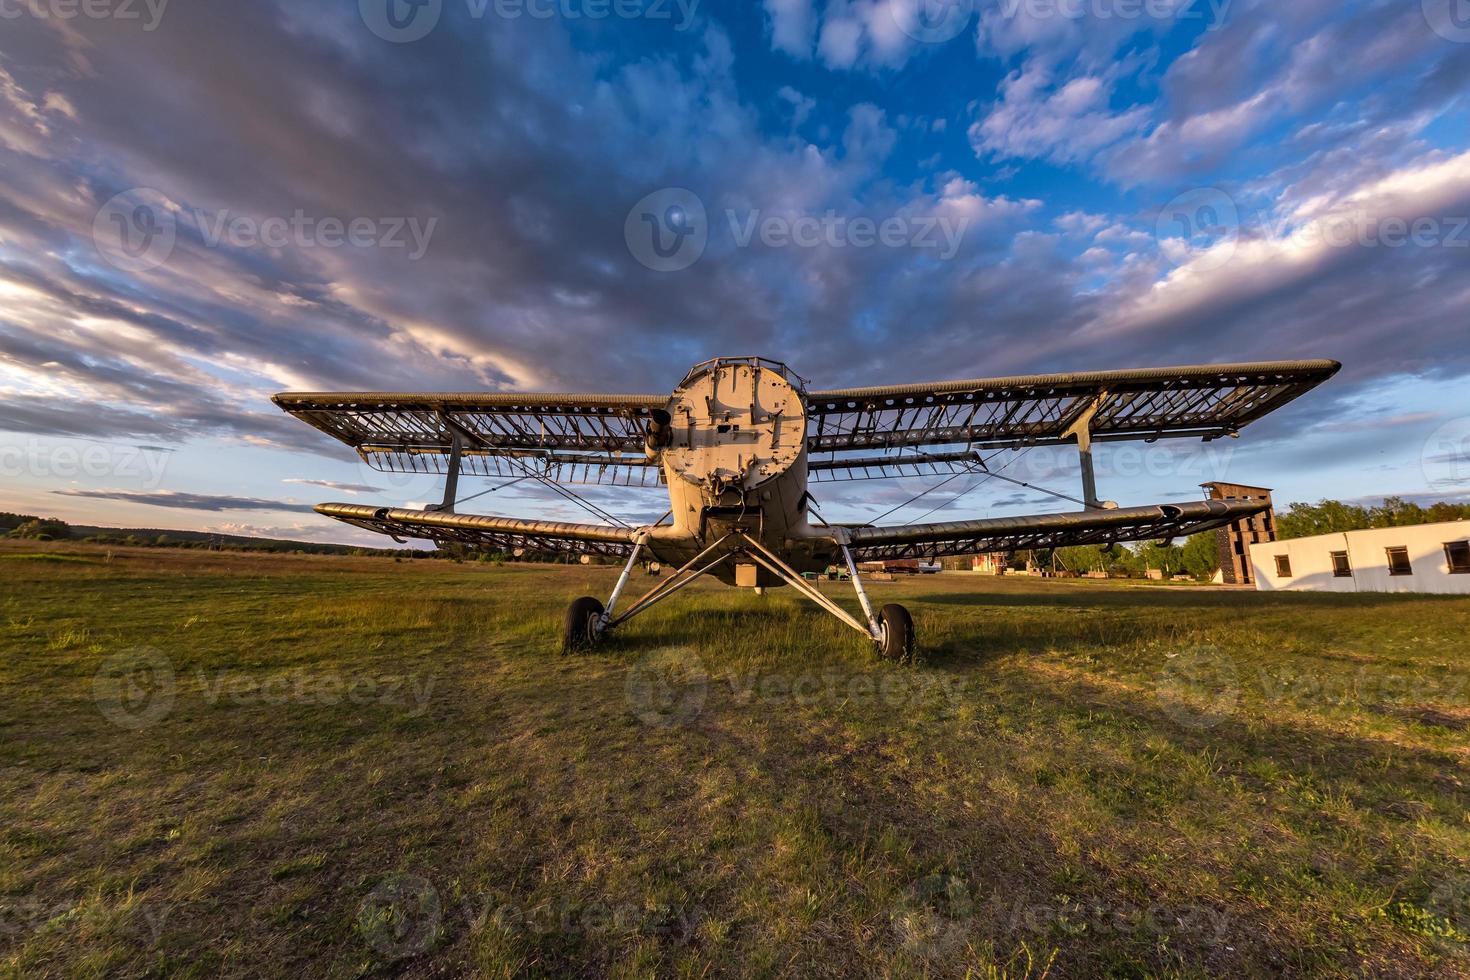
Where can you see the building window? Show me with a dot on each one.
(1283, 566)
(1398, 562)
(1341, 567)
(1457, 554)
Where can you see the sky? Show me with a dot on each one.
(205, 203)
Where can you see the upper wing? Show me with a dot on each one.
(500, 533)
(1205, 402)
(1048, 531)
(565, 437)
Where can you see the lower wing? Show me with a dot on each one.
(1048, 531)
(499, 533)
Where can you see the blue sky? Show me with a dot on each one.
(208, 202)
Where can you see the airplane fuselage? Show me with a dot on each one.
(734, 454)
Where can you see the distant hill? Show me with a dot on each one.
(163, 537)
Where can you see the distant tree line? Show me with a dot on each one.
(30, 527)
(1334, 517)
(1198, 555)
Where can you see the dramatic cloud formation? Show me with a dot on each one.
(186, 501)
(243, 198)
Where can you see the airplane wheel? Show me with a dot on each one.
(581, 630)
(897, 628)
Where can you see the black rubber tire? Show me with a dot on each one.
(897, 627)
(580, 631)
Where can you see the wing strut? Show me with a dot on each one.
(1082, 429)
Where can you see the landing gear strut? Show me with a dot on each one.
(891, 630)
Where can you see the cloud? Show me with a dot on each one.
(186, 501)
(1038, 118)
(353, 488)
(529, 143)
(793, 23)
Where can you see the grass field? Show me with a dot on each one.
(262, 765)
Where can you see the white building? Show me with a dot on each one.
(1427, 558)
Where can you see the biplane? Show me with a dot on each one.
(739, 443)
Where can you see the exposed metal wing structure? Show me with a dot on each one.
(867, 543)
(738, 442)
(599, 439)
(1048, 530)
(495, 533)
(1205, 402)
(566, 438)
